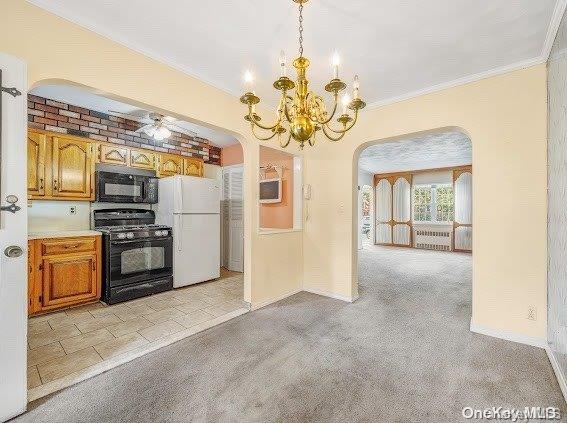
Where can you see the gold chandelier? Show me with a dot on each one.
(304, 113)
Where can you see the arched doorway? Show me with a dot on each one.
(110, 130)
(422, 187)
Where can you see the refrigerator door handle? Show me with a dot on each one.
(178, 226)
(179, 195)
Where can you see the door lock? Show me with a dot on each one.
(12, 208)
(13, 251)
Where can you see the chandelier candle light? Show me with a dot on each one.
(304, 113)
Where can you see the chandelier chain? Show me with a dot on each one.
(301, 114)
(301, 30)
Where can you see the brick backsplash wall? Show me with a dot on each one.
(55, 116)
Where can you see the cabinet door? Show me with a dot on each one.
(73, 168)
(169, 165)
(193, 167)
(36, 164)
(114, 154)
(142, 159)
(69, 279)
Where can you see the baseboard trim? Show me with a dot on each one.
(256, 306)
(509, 336)
(331, 295)
(557, 370)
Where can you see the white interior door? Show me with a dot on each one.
(225, 219)
(13, 235)
(233, 221)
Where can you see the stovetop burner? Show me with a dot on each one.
(129, 224)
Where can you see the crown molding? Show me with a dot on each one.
(554, 24)
(460, 81)
(49, 7)
(558, 11)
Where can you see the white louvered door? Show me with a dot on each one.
(225, 218)
(233, 219)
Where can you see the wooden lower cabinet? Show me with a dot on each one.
(64, 272)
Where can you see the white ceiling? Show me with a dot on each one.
(88, 100)
(400, 48)
(427, 152)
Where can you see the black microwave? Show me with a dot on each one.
(126, 188)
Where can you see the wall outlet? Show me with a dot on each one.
(532, 313)
(73, 210)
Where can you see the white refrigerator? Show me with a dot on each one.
(191, 206)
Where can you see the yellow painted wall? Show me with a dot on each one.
(56, 49)
(505, 117)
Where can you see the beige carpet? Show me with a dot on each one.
(402, 353)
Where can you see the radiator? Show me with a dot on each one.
(433, 239)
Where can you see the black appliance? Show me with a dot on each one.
(114, 187)
(137, 254)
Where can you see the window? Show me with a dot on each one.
(433, 203)
(422, 204)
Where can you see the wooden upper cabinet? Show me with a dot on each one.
(169, 165)
(113, 154)
(142, 159)
(193, 166)
(37, 144)
(73, 168)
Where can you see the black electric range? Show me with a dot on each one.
(137, 254)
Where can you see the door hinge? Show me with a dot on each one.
(40, 298)
(40, 267)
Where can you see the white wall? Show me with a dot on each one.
(45, 215)
(439, 177)
(55, 215)
(213, 172)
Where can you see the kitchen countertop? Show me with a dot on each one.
(61, 234)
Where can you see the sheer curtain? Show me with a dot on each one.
(463, 211)
(402, 211)
(383, 212)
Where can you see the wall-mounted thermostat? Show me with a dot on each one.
(307, 192)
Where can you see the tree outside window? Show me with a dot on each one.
(433, 203)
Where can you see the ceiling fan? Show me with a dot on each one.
(157, 126)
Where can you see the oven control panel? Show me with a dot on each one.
(140, 234)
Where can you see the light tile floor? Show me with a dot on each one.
(65, 342)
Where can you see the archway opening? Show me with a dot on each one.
(421, 227)
(92, 155)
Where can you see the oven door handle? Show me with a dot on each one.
(140, 240)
